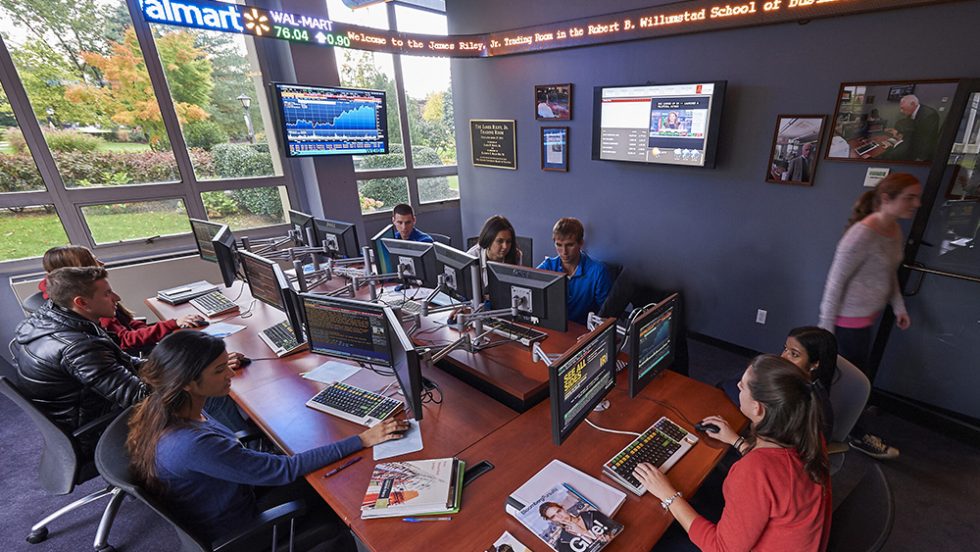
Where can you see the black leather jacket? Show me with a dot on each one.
(71, 369)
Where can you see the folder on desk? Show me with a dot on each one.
(186, 292)
(606, 498)
(417, 488)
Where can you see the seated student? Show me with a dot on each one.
(588, 281)
(814, 351)
(403, 228)
(71, 369)
(497, 243)
(777, 496)
(132, 335)
(194, 462)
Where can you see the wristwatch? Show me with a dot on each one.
(665, 503)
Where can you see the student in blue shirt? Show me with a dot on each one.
(197, 466)
(588, 281)
(403, 228)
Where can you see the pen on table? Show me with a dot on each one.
(345, 465)
(418, 519)
(579, 495)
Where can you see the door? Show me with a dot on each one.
(936, 362)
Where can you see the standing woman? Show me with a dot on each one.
(864, 278)
(777, 495)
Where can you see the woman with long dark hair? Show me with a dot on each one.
(497, 242)
(777, 496)
(195, 463)
(864, 278)
(132, 335)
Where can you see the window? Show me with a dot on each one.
(247, 207)
(18, 173)
(85, 77)
(115, 222)
(29, 231)
(224, 114)
(439, 188)
(382, 194)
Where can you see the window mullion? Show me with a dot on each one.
(413, 188)
(37, 145)
(154, 68)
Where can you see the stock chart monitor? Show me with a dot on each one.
(319, 120)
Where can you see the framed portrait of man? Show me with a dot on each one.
(795, 149)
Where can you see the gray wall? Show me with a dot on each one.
(730, 241)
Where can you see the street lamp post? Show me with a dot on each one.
(246, 104)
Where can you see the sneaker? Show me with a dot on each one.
(873, 446)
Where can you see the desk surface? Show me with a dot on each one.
(475, 427)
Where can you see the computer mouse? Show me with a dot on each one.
(244, 361)
(202, 323)
(707, 427)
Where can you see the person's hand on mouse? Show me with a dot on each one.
(235, 361)
(725, 433)
(384, 431)
(189, 321)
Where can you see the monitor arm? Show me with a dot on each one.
(537, 353)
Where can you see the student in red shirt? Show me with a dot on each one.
(777, 496)
(133, 336)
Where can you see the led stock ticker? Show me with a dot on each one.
(657, 21)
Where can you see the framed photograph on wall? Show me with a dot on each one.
(554, 149)
(795, 148)
(553, 102)
(890, 122)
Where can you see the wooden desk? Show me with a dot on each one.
(521, 448)
(882, 141)
(505, 372)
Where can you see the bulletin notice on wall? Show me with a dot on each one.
(494, 143)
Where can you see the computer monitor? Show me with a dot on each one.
(455, 265)
(339, 237)
(405, 364)
(294, 313)
(302, 226)
(204, 231)
(380, 253)
(417, 259)
(651, 342)
(347, 329)
(541, 294)
(265, 279)
(580, 379)
(226, 254)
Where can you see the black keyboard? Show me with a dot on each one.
(508, 329)
(213, 303)
(355, 404)
(280, 338)
(662, 445)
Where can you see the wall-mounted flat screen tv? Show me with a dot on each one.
(320, 120)
(668, 124)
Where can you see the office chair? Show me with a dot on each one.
(62, 467)
(442, 238)
(524, 244)
(848, 396)
(33, 302)
(863, 521)
(112, 461)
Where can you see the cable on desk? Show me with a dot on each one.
(247, 312)
(240, 291)
(376, 370)
(607, 430)
(429, 395)
(669, 406)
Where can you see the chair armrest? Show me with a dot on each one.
(260, 524)
(248, 435)
(837, 448)
(97, 424)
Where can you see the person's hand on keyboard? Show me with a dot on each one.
(385, 431)
(654, 482)
(190, 321)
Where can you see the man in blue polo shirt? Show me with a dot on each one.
(403, 228)
(588, 281)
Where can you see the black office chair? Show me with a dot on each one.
(62, 467)
(524, 244)
(33, 302)
(863, 521)
(112, 461)
(442, 238)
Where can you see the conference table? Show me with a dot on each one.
(472, 425)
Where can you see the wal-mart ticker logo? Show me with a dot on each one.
(217, 16)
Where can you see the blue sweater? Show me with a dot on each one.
(587, 288)
(209, 475)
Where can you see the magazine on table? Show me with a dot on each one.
(567, 523)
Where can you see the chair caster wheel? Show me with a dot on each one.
(38, 536)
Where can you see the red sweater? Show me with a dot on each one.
(770, 505)
(131, 335)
